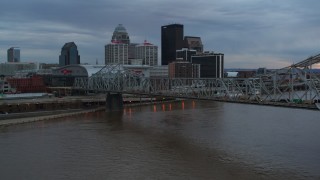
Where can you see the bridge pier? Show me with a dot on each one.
(114, 102)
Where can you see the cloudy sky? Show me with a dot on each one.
(251, 33)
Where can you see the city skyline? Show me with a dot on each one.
(251, 34)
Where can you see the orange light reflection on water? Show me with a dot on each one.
(182, 103)
(163, 107)
(127, 111)
(154, 108)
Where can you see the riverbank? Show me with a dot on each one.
(19, 118)
(38, 117)
(26, 117)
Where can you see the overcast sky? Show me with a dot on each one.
(251, 33)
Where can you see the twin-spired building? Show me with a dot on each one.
(121, 51)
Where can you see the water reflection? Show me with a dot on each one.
(114, 120)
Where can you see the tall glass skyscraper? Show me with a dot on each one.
(69, 54)
(171, 40)
(13, 54)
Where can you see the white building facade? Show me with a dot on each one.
(116, 53)
(148, 53)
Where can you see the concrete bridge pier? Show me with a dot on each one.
(114, 102)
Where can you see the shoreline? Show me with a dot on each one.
(37, 117)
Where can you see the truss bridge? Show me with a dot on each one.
(297, 83)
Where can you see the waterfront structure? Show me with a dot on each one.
(32, 84)
(193, 43)
(69, 54)
(171, 40)
(65, 76)
(13, 54)
(116, 53)
(183, 69)
(211, 64)
(303, 84)
(148, 53)
(186, 54)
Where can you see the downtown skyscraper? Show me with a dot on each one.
(13, 54)
(171, 40)
(69, 54)
(117, 51)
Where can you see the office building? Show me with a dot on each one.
(211, 64)
(10, 69)
(13, 54)
(185, 54)
(193, 43)
(132, 51)
(120, 35)
(69, 54)
(171, 40)
(148, 53)
(159, 71)
(183, 69)
(120, 49)
(116, 53)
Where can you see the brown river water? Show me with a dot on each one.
(180, 140)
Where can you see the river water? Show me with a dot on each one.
(180, 140)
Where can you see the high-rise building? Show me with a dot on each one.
(148, 53)
(116, 53)
(69, 54)
(120, 49)
(13, 54)
(211, 64)
(185, 54)
(120, 35)
(193, 43)
(171, 40)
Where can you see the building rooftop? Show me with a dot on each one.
(68, 45)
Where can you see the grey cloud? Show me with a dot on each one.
(268, 31)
